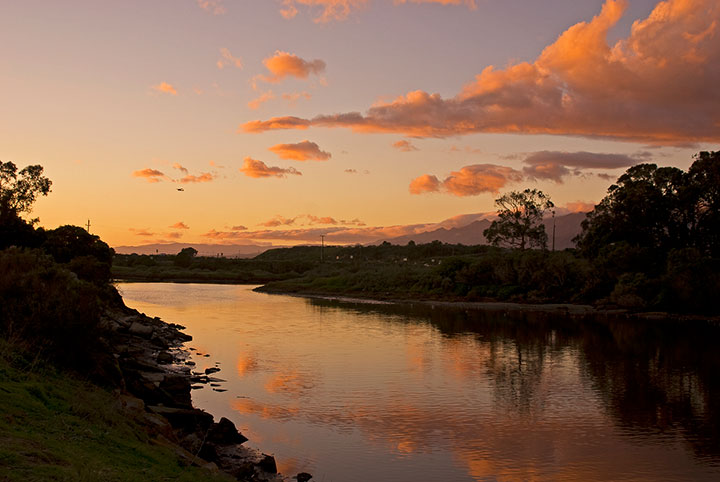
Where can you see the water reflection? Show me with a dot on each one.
(393, 393)
(656, 378)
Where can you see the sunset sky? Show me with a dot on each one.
(286, 119)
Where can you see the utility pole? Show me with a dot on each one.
(322, 246)
(88, 226)
(553, 244)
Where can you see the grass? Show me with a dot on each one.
(56, 427)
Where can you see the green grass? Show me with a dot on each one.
(55, 427)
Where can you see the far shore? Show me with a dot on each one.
(566, 309)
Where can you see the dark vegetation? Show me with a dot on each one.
(652, 244)
(59, 373)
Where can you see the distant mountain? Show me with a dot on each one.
(566, 228)
(226, 250)
(468, 234)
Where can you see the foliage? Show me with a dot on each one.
(47, 308)
(185, 257)
(83, 253)
(18, 190)
(660, 209)
(520, 220)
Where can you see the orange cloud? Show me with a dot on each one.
(226, 58)
(288, 122)
(278, 221)
(655, 86)
(425, 183)
(284, 64)
(404, 146)
(150, 175)
(141, 232)
(468, 181)
(180, 225)
(254, 168)
(203, 177)
(293, 97)
(579, 207)
(261, 99)
(165, 88)
(215, 7)
(180, 168)
(301, 151)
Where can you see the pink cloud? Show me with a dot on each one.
(301, 151)
(150, 175)
(470, 3)
(226, 58)
(257, 169)
(329, 9)
(655, 86)
(555, 165)
(260, 100)
(215, 7)
(165, 88)
(293, 97)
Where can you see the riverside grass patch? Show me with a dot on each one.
(55, 427)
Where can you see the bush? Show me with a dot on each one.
(47, 308)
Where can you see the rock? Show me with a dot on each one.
(178, 388)
(186, 419)
(141, 330)
(225, 433)
(211, 370)
(165, 358)
(268, 464)
(219, 390)
(303, 477)
(190, 363)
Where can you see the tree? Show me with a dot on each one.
(659, 209)
(18, 190)
(520, 220)
(185, 257)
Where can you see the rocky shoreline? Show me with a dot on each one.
(149, 369)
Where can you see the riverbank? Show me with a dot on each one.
(565, 309)
(134, 421)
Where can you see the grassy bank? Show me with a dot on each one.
(57, 427)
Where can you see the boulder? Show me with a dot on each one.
(267, 463)
(224, 432)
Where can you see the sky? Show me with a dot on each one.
(276, 121)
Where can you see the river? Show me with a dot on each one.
(388, 393)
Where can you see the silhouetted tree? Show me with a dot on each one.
(185, 257)
(18, 190)
(660, 209)
(520, 216)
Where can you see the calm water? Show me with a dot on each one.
(355, 392)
